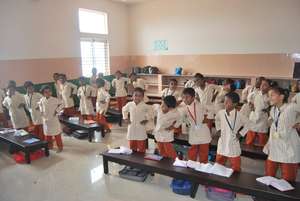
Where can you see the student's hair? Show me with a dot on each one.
(198, 76)
(55, 74)
(28, 84)
(118, 72)
(139, 90)
(263, 79)
(100, 82)
(170, 101)
(281, 91)
(173, 80)
(189, 91)
(44, 88)
(11, 83)
(63, 76)
(231, 83)
(234, 97)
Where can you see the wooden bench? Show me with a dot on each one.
(17, 144)
(91, 128)
(247, 150)
(239, 182)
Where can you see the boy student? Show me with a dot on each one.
(283, 146)
(228, 86)
(50, 107)
(191, 82)
(229, 121)
(3, 120)
(119, 83)
(107, 83)
(172, 90)
(259, 116)
(198, 131)
(102, 104)
(85, 93)
(140, 114)
(56, 85)
(168, 118)
(32, 99)
(68, 91)
(15, 103)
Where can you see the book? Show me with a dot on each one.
(279, 184)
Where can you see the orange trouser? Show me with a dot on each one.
(235, 162)
(166, 149)
(70, 111)
(39, 131)
(200, 150)
(121, 101)
(3, 120)
(288, 170)
(138, 145)
(100, 119)
(262, 138)
(58, 141)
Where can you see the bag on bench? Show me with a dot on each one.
(181, 187)
(219, 194)
(134, 174)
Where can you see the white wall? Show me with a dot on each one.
(216, 26)
(49, 28)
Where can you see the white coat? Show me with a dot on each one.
(102, 96)
(119, 85)
(32, 105)
(2, 96)
(169, 92)
(67, 90)
(86, 106)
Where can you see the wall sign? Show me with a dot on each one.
(160, 45)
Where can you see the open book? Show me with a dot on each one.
(121, 150)
(279, 184)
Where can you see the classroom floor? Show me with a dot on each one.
(76, 174)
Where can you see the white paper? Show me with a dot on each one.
(192, 164)
(279, 184)
(121, 150)
(221, 170)
(180, 163)
(204, 167)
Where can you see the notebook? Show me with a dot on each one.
(279, 184)
(153, 157)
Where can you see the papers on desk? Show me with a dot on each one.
(279, 184)
(153, 157)
(21, 133)
(31, 140)
(74, 119)
(7, 130)
(121, 150)
(216, 169)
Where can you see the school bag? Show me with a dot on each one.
(219, 194)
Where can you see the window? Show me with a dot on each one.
(93, 42)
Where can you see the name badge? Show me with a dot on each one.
(276, 135)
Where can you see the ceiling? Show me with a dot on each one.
(130, 1)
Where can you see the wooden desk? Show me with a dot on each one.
(17, 143)
(239, 182)
(247, 150)
(91, 128)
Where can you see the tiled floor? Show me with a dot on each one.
(76, 174)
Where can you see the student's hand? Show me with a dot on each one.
(144, 122)
(297, 126)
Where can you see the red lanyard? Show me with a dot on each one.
(195, 114)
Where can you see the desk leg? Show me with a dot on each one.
(102, 132)
(46, 151)
(27, 157)
(194, 190)
(105, 166)
(91, 136)
(120, 120)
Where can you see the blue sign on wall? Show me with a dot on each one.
(160, 45)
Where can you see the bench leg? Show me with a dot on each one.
(105, 166)
(91, 133)
(194, 190)
(27, 157)
(46, 151)
(102, 132)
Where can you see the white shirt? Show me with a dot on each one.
(284, 143)
(119, 85)
(102, 95)
(258, 117)
(169, 92)
(2, 96)
(32, 106)
(57, 89)
(138, 113)
(165, 120)
(139, 82)
(193, 116)
(246, 91)
(17, 115)
(86, 106)
(219, 101)
(50, 108)
(228, 144)
(189, 84)
(67, 90)
(206, 95)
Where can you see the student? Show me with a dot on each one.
(119, 83)
(3, 120)
(56, 85)
(32, 99)
(102, 104)
(68, 91)
(283, 146)
(228, 86)
(172, 90)
(93, 79)
(107, 83)
(85, 93)
(229, 121)
(50, 108)
(139, 114)
(259, 116)
(198, 131)
(168, 118)
(15, 103)
(191, 82)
